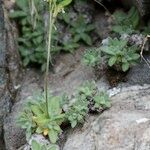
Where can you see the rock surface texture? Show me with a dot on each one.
(125, 126)
(9, 68)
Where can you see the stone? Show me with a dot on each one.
(103, 24)
(4, 106)
(10, 67)
(125, 126)
(86, 8)
(140, 73)
(14, 136)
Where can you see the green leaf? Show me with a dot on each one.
(36, 110)
(53, 147)
(26, 61)
(90, 27)
(125, 67)
(86, 38)
(135, 56)
(44, 147)
(39, 130)
(23, 4)
(73, 123)
(54, 106)
(17, 14)
(53, 136)
(35, 145)
(65, 3)
(112, 61)
(107, 50)
(41, 120)
(60, 6)
(76, 38)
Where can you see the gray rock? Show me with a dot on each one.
(136, 39)
(125, 126)
(103, 24)
(86, 8)
(9, 67)
(4, 101)
(139, 74)
(69, 73)
(14, 136)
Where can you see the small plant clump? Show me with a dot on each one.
(35, 117)
(92, 57)
(77, 111)
(126, 23)
(119, 55)
(97, 100)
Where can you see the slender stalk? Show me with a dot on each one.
(51, 22)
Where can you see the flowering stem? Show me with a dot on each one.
(51, 23)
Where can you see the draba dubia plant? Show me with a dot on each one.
(35, 117)
(55, 7)
(126, 22)
(43, 114)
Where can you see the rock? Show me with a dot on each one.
(103, 24)
(14, 136)
(4, 99)
(135, 39)
(86, 8)
(69, 73)
(9, 4)
(9, 68)
(139, 74)
(125, 126)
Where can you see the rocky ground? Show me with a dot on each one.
(125, 126)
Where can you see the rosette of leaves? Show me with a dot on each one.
(79, 28)
(40, 117)
(92, 57)
(120, 56)
(77, 111)
(88, 89)
(97, 101)
(101, 102)
(126, 22)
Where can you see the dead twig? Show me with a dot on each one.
(142, 49)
